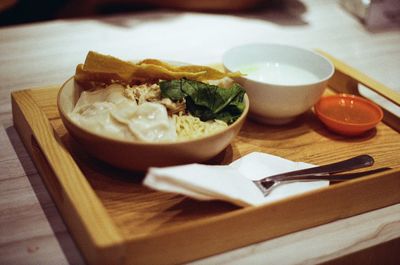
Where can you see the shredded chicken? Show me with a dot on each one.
(143, 93)
(152, 93)
(174, 107)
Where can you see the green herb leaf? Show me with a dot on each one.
(206, 101)
(172, 89)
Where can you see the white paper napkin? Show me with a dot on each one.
(232, 182)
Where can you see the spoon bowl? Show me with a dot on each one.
(325, 172)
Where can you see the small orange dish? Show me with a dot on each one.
(348, 114)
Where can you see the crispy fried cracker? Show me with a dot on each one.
(105, 69)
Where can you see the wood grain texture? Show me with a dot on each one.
(329, 235)
(43, 54)
(25, 200)
(75, 199)
(348, 80)
(351, 75)
(153, 223)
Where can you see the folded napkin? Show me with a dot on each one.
(232, 183)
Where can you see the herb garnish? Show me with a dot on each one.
(206, 101)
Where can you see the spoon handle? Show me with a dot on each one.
(325, 170)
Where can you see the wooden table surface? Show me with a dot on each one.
(40, 54)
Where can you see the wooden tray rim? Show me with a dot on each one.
(107, 244)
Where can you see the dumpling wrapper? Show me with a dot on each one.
(93, 112)
(110, 113)
(151, 123)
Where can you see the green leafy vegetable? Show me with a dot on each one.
(206, 101)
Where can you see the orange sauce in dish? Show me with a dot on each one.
(349, 112)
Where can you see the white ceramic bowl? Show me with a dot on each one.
(138, 155)
(281, 81)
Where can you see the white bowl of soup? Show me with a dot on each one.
(282, 81)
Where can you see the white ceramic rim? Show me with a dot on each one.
(311, 52)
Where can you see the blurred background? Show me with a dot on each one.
(372, 13)
(25, 11)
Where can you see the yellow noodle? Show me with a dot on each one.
(190, 127)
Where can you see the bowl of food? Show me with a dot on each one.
(282, 81)
(151, 113)
(347, 114)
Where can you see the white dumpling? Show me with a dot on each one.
(151, 123)
(96, 118)
(113, 93)
(124, 111)
(89, 97)
(124, 108)
(93, 111)
(109, 112)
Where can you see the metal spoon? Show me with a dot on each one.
(266, 185)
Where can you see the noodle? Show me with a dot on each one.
(190, 127)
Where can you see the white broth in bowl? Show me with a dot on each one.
(278, 73)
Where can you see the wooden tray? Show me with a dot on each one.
(115, 220)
